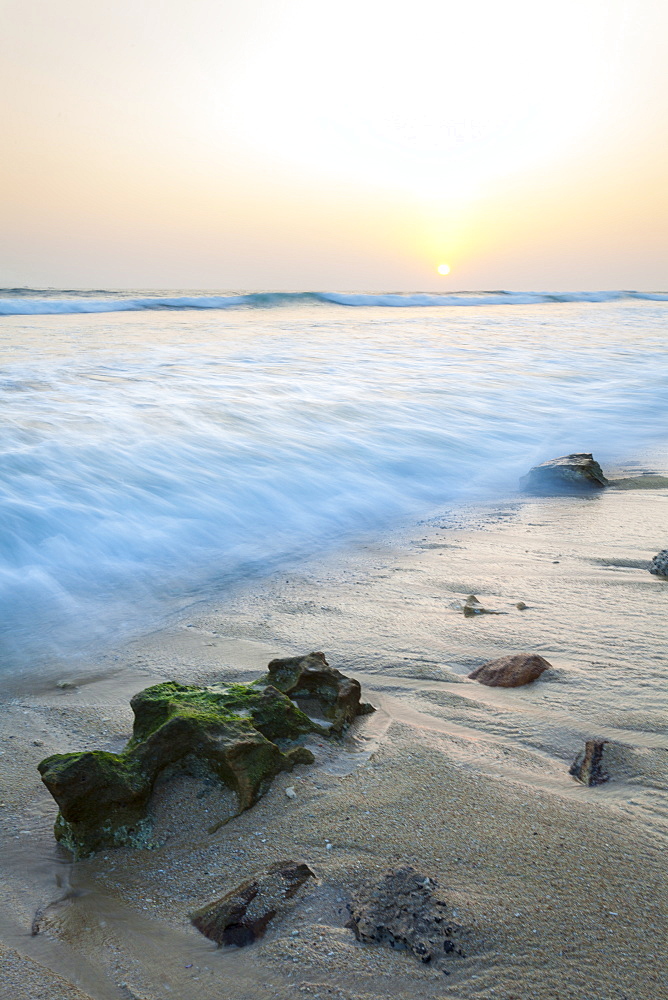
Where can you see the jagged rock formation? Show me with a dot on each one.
(241, 734)
(319, 689)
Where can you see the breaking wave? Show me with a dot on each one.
(35, 302)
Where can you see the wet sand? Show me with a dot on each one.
(561, 887)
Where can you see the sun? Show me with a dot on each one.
(443, 269)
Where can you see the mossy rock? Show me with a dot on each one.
(240, 734)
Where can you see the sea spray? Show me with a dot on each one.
(146, 457)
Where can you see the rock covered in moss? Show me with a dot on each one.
(568, 474)
(320, 690)
(241, 734)
(242, 915)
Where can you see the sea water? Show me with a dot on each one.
(155, 446)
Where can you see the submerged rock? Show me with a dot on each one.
(659, 564)
(511, 671)
(320, 690)
(243, 735)
(241, 916)
(404, 912)
(568, 474)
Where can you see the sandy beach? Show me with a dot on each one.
(561, 888)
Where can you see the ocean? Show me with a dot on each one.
(157, 447)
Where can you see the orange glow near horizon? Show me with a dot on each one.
(219, 145)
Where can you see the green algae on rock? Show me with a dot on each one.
(241, 734)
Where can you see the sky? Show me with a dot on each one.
(304, 145)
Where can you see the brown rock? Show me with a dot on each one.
(511, 671)
(321, 691)
(567, 474)
(404, 912)
(241, 916)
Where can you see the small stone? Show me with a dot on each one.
(521, 606)
(511, 671)
(38, 743)
(659, 564)
(472, 607)
(587, 766)
(291, 793)
(66, 685)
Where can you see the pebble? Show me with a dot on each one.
(291, 793)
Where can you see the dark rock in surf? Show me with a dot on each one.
(242, 916)
(405, 912)
(659, 564)
(319, 689)
(511, 671)
(569, 474)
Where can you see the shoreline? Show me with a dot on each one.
(468, 783)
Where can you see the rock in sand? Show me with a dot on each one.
(405, 912)
(659, 564)
(608, 760)
(319, 689)
(241, 916)
(241, 735)
(511, 671)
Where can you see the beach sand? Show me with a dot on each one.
(561, 888)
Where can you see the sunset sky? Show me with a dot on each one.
(297, 144)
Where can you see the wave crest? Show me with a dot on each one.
(20, 302)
